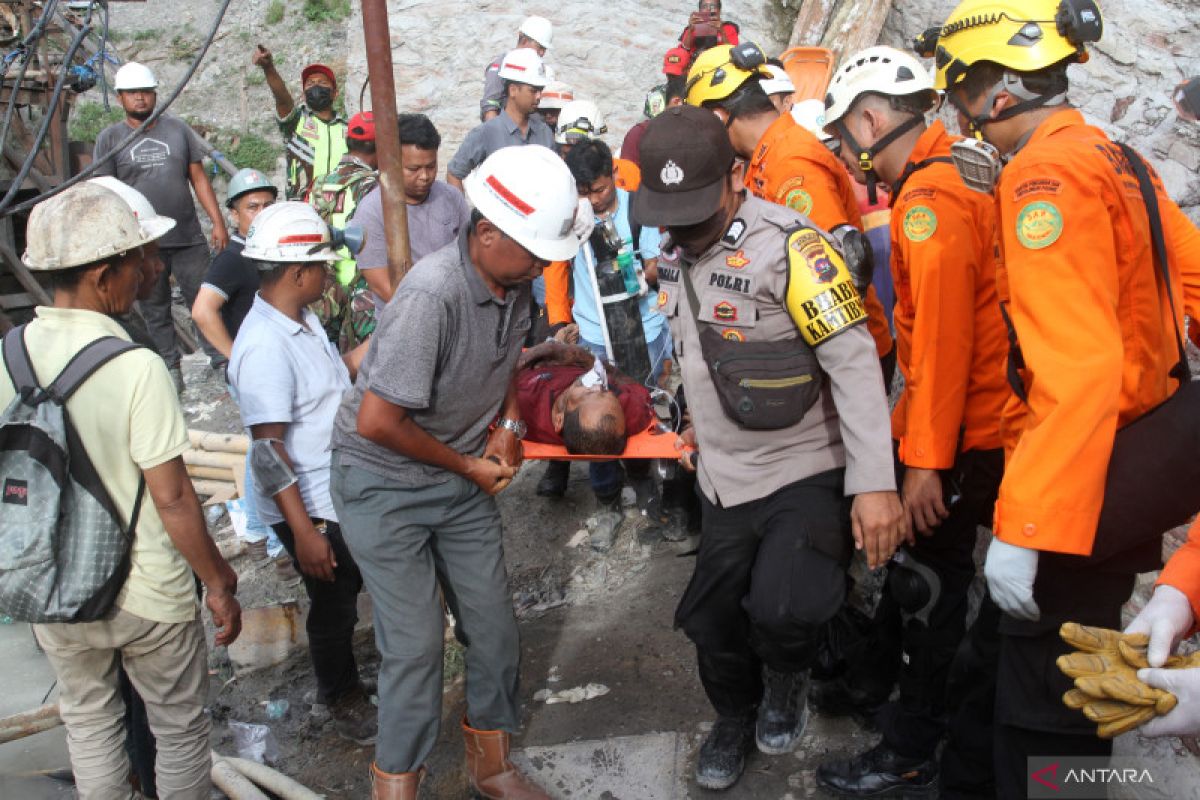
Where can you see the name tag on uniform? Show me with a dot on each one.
(731, 281)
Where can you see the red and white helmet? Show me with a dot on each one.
(289, 233)
(528, 193)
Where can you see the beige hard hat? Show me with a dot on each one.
(81, 225)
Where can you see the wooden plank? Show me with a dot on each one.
(843, 26)
(811, 22)
(23, 275)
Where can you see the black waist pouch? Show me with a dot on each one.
(762, 385)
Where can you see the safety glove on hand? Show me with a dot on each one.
(1010, 571)
(1167, 619)
(1183, 684)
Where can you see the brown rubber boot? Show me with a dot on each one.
(492, 774)
(395, 786)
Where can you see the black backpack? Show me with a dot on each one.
(64, 552)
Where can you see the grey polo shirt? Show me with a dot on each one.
(445, 350)
(498, 132)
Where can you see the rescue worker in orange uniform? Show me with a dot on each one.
(951, 347)
(1094, 347)
(786, 163)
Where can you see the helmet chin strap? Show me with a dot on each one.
(866, 155)
(1012, 84)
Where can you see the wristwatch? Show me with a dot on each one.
(517, 426)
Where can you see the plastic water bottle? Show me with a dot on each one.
(628, 268)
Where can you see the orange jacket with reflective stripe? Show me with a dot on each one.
(951, 343)
(1093, 324)
(793, 168)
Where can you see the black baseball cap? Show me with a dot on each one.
(684, 156)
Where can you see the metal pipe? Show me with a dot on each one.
(387, 137)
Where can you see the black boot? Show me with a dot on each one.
(837, 698)
(554, 479)
(880, 772)
(722, 757)
(783, 713)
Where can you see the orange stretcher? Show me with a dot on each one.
(810, 69)
(650, 443)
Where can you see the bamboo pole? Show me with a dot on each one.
(210, 473)
(387, 137)
(210, 488)
(18, 726)
(203, 458)
(219, 442)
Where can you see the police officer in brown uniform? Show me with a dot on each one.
(791, 424)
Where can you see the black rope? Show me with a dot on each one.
(86, 173)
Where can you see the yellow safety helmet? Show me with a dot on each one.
(720, 71)
(1021, 35)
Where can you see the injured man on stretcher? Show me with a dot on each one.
(571, 398)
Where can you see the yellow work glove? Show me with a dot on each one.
(1107, 689)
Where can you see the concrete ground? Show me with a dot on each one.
(27, 683)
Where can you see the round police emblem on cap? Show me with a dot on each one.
(671, 173)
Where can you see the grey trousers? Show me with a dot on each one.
(188, 265)
(406, 541)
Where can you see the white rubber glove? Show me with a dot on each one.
(585, 220)
(1010, 571)
(1184, 719)
(1167, 618)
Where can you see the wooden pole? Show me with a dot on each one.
(18, 726)
(387, 137)
(843, 26)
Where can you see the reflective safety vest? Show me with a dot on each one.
(314, 148)
(336, 196)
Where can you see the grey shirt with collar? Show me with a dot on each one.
(445, 351)
(498, 132)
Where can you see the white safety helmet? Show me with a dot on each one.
(81, 225)
(778, 83)
(810, 115)
(290, 232)
(528, 193)
(556, 95)
(523, 66)
(134, 76)
(881, 70)
(579, 120)
(539, 29)
(154, 225)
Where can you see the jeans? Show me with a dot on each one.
(333, 615)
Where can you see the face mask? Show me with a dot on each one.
(978, 164)
(597, 377)
(318, 98)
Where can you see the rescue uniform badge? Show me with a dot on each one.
(799, 200)
(737, 260)
(919, 223)
(662, 299)
(733, 335)
(1039, 225)
(725, 311)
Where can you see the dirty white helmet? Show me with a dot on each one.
(579, 120)
(810, 114)
(556, 94)
(528, 193)
(80, 225)
(290, 232)
(134, 76)
(881, 70)
(539, 29)
(154, 225)
(523, 66)
(778, 83)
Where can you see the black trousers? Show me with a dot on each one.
(769, 573)
(1031, 719)
(332, 617)
(967, 769)
(914, 723)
